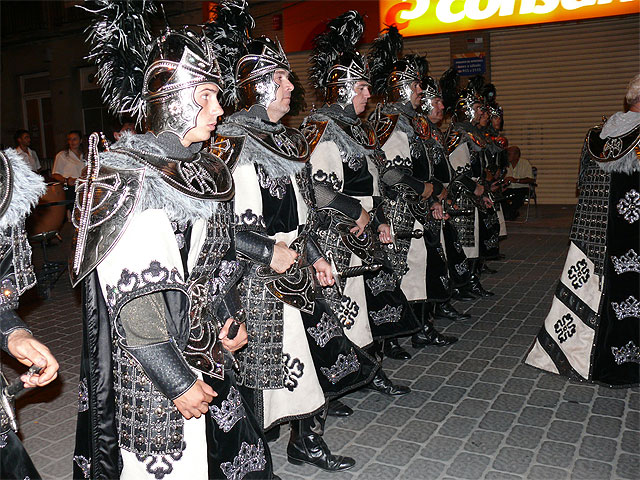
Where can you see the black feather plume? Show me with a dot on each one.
(476, 84)
(489, 93)
(421, 63)
(341, 37)
(230, 32)
(450, 85)
(384, 52)
(120, 42)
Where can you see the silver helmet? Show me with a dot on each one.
(254, 73)
(179, 61)
(464, 105)
(343, 77)
(430, 90)
(405, 72)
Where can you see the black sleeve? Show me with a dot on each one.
(378, 217)
(9, 322)
(255, 246)
(328, 198)
(314, 253)
(395, 176)
(468, 182)
(230, 306)
(437, 187)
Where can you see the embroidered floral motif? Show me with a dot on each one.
(326, 329)
(251, 458)
(147, 280)
(84, 464)
(354, 162)
(445, 281)
(331, 180)
(492, 242)
(276, 187)
(226, 271)
(345, 365)
(83, 396)
(230, 411)
(3, 440)
(629, 262)
(565, 328)
(461, 268)
(293, 370)
(160, 465)
(348, 312)
(382, 282)
(629, 206)
(579, 274)
(628, 308)
(629, 353)
(399, 162)
(249, 220)
(388, 314)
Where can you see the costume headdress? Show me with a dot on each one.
(336, 65)
(149, 79)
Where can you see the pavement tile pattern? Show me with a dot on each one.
(476, 412)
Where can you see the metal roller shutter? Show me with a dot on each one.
(556, 81)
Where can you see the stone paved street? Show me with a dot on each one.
(476, 412)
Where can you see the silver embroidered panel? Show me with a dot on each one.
(251, 458)
(326, 329)
(627, 308)
(629, 262)
(345, 365)
(382, 282)
(14, 245)
(276, 187)
(84, 464)
(629, 353)
(83, 396)
(629, 206)
(230, 412)
(388, 314)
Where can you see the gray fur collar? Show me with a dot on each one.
(333, 133)
(627, 164)
(156, 193)
(27, 188)
(620, 123)
(253, 151)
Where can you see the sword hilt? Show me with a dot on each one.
(349, 272)
(410, 234)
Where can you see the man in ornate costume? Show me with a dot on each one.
(344, 149)
(413, 192)
(20, 189)
(478, 232)
(592, 331)
(297, 353)
(154, 250)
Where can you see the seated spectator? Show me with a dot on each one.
(69, 162)
(23, 142)
(519, 175)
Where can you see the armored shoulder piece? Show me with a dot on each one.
(612, 148)
(421, 126)
(454, 139)
(313, 130)
(360, 132)
(383, 123)
(227, 149)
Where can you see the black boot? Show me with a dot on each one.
(383, 384)
(476, 287)
(306, 445)
(392, 349)
(430, 336)
(446, 311)
(338, 409)
(484, 268)
(464, 294)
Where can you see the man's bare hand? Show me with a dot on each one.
(195, 401)
(30, 351)
(235, 343)
(487, 202)
(479, 190)
(443, 194)
(438, 212)
(323, 272)
(428, 190)
(361, 223)
(385, 233)
(283, 257)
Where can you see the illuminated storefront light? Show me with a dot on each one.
(424, 17)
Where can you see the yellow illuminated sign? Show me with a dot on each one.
(424, 17)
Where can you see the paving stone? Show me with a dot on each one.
(520, 386)
(494, 375)
(472, 408)
(631, 441)
(509, 403)
(378, 471)
(441, 448)
(634, 401)
(632, 420)
(468, 466)
(604, 426)
(449, 394)
(609, 407)
(572, 411)
(358, 421)
(484, 442)
(628, 466)
(395, 416)
(417, 431)
(484, 353)
(569, 432)
(535, 416)
(375, 436)
(462, 379)
(408, 372)
(423, 468)
(556, 454)
(427, 383)
(484, 391)
(502, 361)
(525, 371)
(524, 436)
(459, 427)
(543, 398)
(398, 453)
(495, 475)
(416, 400)
(513, 351)
(442, 369)
(598, 448)
(434, 411)
(590, 470)
(497, 421)
(542, 472)
(579, 393)
(514, 460)
(474, 365)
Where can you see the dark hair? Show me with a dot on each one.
(77, 132)
(18, 134)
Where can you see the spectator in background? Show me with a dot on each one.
(519, 175)
(23, 142)
(69, 162)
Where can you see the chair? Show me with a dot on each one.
(531, 195)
